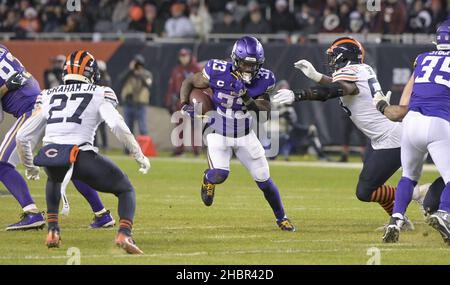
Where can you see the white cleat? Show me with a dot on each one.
(392, 231)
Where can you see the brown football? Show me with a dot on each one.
(202, 96)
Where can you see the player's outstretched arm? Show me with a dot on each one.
(118, 127)
(32, 128)
(317, 93)
(308, 69)
(396, 113)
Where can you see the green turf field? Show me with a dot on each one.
(172, 225)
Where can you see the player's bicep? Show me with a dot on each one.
(407, 91)
(199, 80)
(109, 114)
(349, 88)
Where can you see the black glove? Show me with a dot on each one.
(17, 80)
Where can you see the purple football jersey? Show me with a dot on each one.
(22, 100)
(431, 89)
(232, 118)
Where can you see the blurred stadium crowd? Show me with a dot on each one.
(196, 18)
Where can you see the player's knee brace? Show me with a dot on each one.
(216, 176)
(364, 191)
(261, 174)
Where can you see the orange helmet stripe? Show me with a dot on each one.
(84, 62)
(75, 62)
(68, 64)
(353, 41)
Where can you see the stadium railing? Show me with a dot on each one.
(280, 37)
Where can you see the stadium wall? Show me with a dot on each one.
(393, 63)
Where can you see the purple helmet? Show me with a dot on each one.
(248, 57)
(443, 36)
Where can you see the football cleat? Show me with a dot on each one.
(207, 193)
(28, 221)
(104, 220)
(286, 225)
(127, 243)
(440, 221)
(53, 238)
(407, 225)
(392, 231)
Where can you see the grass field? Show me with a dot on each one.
(173, 226)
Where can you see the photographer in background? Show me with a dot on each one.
(53, 75)
(187, 66)
(135, 94)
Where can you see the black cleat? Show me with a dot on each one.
(286, 225)
(207, 193)
(392, 231)
(440, 221)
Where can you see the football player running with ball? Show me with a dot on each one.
(426, 128)
(355, 84)
(70, 114)
(238, 87)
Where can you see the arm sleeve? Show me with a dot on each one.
(33, 128)
(118, 127)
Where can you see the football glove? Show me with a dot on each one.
(17, 80)
(32, 173)
(239, 88)
(381, 101)
(308, 69)
(144, 163)
(284, 96)
(188, 109)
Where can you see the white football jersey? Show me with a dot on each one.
(382, 132)
(72, 112)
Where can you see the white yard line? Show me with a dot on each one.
(214, 253)
(315, 164)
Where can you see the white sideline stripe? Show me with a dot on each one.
(316, 164)
(203, 253)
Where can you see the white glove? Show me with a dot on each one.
(32, 173)
(379, 96)
(308, 69)
(144, 164)
(284, 96)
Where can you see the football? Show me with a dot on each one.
(202, 96)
